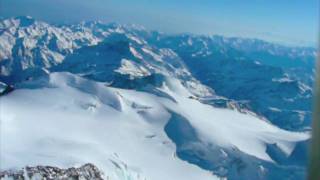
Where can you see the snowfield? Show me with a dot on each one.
(64, 120)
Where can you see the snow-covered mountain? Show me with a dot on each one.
(30, 48)
(141, 104)
(272, 80)
(139, 133)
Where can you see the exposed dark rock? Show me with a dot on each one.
(5, 89)
(87, 171)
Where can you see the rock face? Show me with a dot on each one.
(5, 89)
(87, 171)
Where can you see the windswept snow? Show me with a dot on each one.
(229, 128)
(71, 121)
(67, 120)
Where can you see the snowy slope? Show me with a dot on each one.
(65, 120)
(84, 121)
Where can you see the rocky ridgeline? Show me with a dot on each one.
(273, 81)
(87, 171)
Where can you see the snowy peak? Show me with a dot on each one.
(20, 21)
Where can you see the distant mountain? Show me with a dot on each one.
(271, 80)
(212, 101)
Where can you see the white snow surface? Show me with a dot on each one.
(69, 121)
(73, 121)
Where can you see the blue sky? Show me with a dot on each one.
(287, 21)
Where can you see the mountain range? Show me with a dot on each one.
(142, 104)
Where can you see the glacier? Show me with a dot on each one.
(68, 120)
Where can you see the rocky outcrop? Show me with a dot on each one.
(87, 171)
(5, 89)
